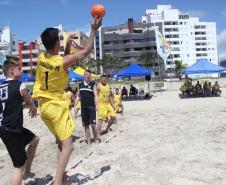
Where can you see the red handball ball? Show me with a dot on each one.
(98, 10)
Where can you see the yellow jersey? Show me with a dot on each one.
(67, 96)
(117, 99)
(51, 78)
(104, 93)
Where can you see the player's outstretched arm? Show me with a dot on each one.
(74, 58)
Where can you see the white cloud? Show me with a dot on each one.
(5, 2)
(223, 13)
(198, 13)
(221, 42)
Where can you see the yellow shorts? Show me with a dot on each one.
(117, 108)
(105, 111)
(58, 118)
(78, 106)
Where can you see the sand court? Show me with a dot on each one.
(162, 141)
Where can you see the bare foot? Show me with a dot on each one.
(98, 140)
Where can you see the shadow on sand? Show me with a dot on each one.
(40, 181)
(77, 178)
(82, 179)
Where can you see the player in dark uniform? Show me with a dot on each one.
(13, 134)
(87, 93)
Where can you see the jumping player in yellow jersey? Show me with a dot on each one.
(106, 104)
(51, 79)
(118, 102)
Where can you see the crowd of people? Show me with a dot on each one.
(189, 89)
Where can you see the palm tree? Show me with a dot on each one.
(179, 66)
(88, 62)
(110, 63)
(148, 59)
(151, 59)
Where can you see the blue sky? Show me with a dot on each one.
(27, 18)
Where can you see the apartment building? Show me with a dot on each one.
(126, 41)
(27, 54)
(190, 38)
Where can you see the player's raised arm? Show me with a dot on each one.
(74, 58)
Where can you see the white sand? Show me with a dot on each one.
(164, 141)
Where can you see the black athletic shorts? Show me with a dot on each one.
(88, 116)
(16, 144)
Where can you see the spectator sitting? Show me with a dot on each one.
(208, 89)
(124, 92)
(191, 89)
(133, 91)
(187, 79)
(198, 89)
(184, 89)
(216, 89)
(205, 88)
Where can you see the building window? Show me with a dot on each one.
(137, 49)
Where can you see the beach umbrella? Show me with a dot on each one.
(81, 71)
(74, 76)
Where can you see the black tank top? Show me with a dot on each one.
(11, 106)
(87, 94)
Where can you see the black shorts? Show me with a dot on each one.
(88, 116)
(16, 144)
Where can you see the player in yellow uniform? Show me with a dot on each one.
(51, 79)
(106, 104)
(68, 96)
(118, 102)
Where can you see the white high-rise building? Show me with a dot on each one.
(190, 39)
(8, 41)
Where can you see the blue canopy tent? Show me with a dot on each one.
(27, 78)
(134, 70)
(74, 76)
(24, 78)
(203, 66)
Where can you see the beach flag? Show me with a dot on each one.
(2, 58)
(163, 47)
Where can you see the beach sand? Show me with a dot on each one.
(162, 141)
